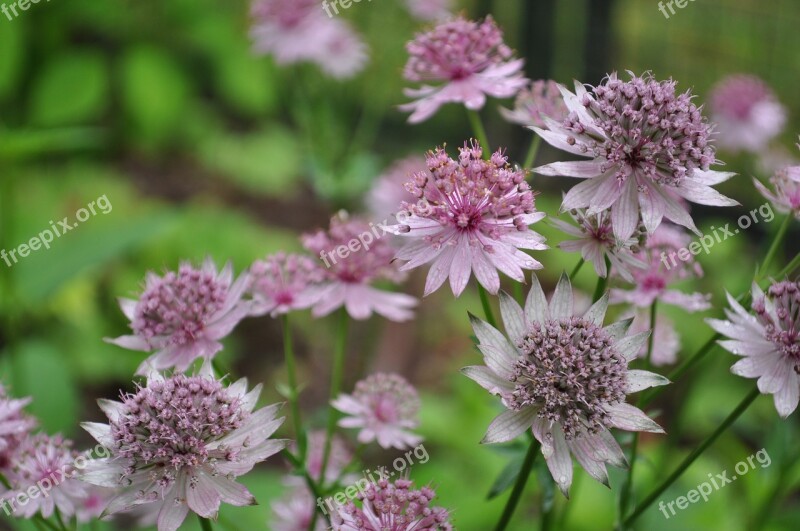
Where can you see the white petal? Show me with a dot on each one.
(630, 346)
(536, 308)
(627, 417)
(561, 303)
(637, 380)
(487, 379)
(513, 316)
(509, 425)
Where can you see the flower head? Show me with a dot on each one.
(299, 31)
(746, 112)
(183, 315)
(564, 376)
(349, 273)
(15, 425)
(648, 144)
(397, 506)
(282, 282)
(596, 242)
(180, 442)
(294, 511)
(475, 217)
(542, 98)
(469, 58)
(786, 195)
(664, 255)
(768, 341)
(340, 456)
(47, 465)
(385, 407)
(389, 191)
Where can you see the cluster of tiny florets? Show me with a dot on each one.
(179, 305)
(168, 424)
(42, 456)
(463, 193)
(287, 14)
(541, 99)
(648, 128)
(785, 332)
(456, 50)
(11, 414)
(737, 95)
(282, 276)
(571, 371)
(599, 228)
(389, 396)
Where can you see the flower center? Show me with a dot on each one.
(783, 332)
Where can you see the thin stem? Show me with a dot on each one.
(532, 151)
(519, 486)
(487, 308)
(336, 387)
(294, 400)
(577, 268)
(790, 267)
(773, 249)
(205, 523)
(479, 131)
(602, 282)
(46, 523)
(735, 414)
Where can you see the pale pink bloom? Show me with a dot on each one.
(389, 191)
(596, 242)
(786, 195)
(295, 510)
(300, 31)
(775, 158)
(475, 218)
(392, 506)
(385, 408)
(468, 58)
(746, 112)
(46, 464)
(339, 458)
(666, 341)
(665, 267)
(769, 341)
(179, 443)
(645, 141)
(565, 377)
(282, 283)
(15, 425)
(92, 506)
(430, 9)
(542, 98)
(355, 254)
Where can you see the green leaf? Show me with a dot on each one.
(246, 83)
(507, 477)
(70, 89)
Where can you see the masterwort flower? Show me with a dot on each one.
(47, 465)
(768, 341)
(392, 506)
(180, 442)
(786, 197)
(596, 242)
(542, 98)
(282, 283)
(349, 273)
(565, 377)
(183, 315)
(15, 425)
(385, 407)
(300, 31)
(471, 61)
(647, 145)
(475, 218)
(295, 510)
(746, 112)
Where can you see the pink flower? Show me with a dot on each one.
(471, 60)
(47, 465)
(645, 141)
(15, 426)
(475, 217)
(283, 283)
(91, 507)
(183, 315)
(565, 377)
(389, 192)
(179, 443)
(665, 266)
(394, 506)
(769, 342)
(596, 242)
(666, 341)
(339, 458)
(746, 112)
(786, 197)
(430, 9)
(299, 31)
(542, 98)
(355, 255)
(294, 511)
(385, 407)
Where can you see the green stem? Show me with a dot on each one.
(46, 523)
(602, 282)
(790, 267)
(519, 486)
(479, 131)
(773, 249)
(336, 387)
(577, 268)
(487, 308)
(205, 523)
(735, 414)
(294, 400)
(532, 151)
